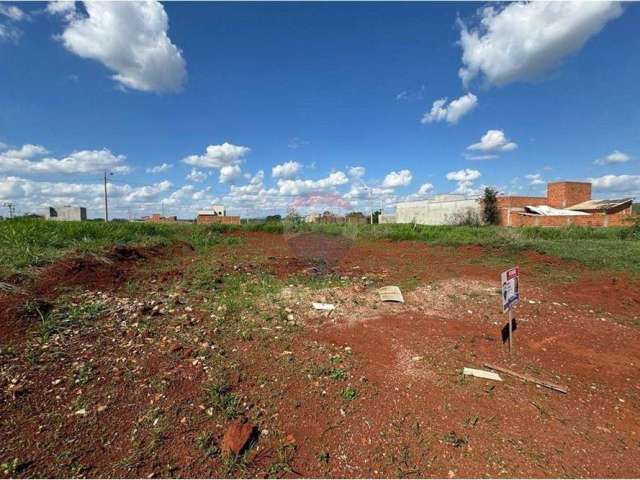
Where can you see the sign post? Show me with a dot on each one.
(510, 296)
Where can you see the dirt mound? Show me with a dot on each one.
(92, 272)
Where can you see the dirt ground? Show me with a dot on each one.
(133, 364)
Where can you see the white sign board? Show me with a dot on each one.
(510, 292)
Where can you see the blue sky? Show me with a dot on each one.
(264, 106)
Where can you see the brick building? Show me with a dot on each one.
(157, 218)
(217, 214)
(566, 203)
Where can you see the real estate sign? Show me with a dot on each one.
(510, 292)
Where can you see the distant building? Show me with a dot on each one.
(357, 218)
(217, 214)
(66, 213)
(157, 218)
(566, 203)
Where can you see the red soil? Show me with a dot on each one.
(413, 413)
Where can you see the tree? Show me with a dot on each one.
(490, 214)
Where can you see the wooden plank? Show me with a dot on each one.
(474, 372)
(529, 378)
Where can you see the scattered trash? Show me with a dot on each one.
(391, 294)
(529, 378)
(237, 437)
(323, 306)
(481, 374)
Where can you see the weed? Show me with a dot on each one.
(221, 398)
(323, 457)
(208, 445)
(456, 440)
(12, 467)
(349, 393)
(337, 374)
(282, 465)
(83, 374)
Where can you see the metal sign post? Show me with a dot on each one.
(510, 296)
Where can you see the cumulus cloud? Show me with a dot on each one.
(522, 40)
(451, 112)
(464, 179)
(230, 174)
(12, 12)
(397, 179)
(624, 184)
(23, 160)
(535, 179)
(356, 172)
(299, 186)
(197, 175)
(286, 170)
(614, 157)
(254, 187)
(129, 38)
(425, 188)
(159, 168)
(8, 31)
(37, 194)
(494, 141)
(218, 156)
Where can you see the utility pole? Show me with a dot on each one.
(370, 208)
(106, 202)
(12, 208)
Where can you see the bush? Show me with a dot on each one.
(490, 214)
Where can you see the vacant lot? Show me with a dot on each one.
(127, 350)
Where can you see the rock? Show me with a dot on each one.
(237, 436)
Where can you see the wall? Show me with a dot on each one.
(595, 220)
(226, 220)
(506, 205)
(430, 212)
(566, 194)
(386, 218)
(66, 214)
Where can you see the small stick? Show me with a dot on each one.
(529, 378)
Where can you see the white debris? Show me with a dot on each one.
(481, 374)
(323, 306)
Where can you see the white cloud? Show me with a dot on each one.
(626, 184)
(286, 170)
(488, 156)
(397, 179)
(159, 168)
(230, 174)
(14, 13)
(84, 161)
(129, 38)
(254, 187)
(218, 156)
(522, 40)
(535, 179)
(452, 112)
(33, 195)
(464, 179)
(356, 172)
(494, 141)
(297, 142)
(298, 187)
(613, 158)
(425, 188)
(197, 175)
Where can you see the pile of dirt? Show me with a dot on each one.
(92, 272)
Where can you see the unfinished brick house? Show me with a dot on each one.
(217, 214)
(566, 203)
